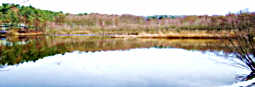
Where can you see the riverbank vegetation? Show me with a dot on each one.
(243, 49)
(130, 24)
(28, 18)
(15, 17)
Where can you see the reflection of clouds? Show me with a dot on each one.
(137, 68)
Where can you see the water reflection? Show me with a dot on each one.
(101, 61)
(4, 41)
(144, 67)
(243, 48)
(34, 48)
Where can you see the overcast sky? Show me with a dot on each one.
(142, 7)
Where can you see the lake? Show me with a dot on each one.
(98, 61)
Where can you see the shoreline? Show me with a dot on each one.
(169, 35)
(188, 35)
(23, 34)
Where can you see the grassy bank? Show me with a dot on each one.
(187, 34)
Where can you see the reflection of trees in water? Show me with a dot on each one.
(40, 47)
(37, 48)
(243, 48)
(32, 51)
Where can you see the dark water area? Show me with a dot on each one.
(96, 61)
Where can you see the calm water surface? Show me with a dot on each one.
(105, 62)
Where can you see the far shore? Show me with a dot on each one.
(19, 20)
(170, 34)
(23, 34)
(177, 36)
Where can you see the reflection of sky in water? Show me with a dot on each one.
(133, 68)
(4, 42)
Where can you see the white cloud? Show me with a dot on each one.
(143, 7)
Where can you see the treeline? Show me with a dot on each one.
(228, 22)
(15, 16)
(241, 21)
(163, 17)
(36, 19)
